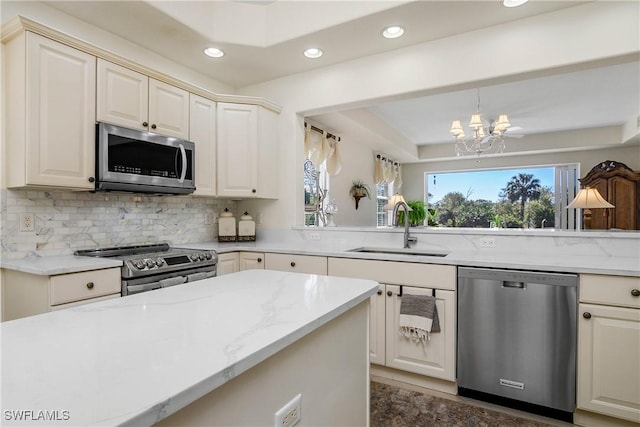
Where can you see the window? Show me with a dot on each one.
(504, 198)
(383, 194)
(314, 193)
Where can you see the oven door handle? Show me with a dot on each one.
(172, 281)
(134, 289)
(183, 153)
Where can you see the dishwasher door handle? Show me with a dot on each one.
(515, 285)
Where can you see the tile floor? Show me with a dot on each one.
(393, 406)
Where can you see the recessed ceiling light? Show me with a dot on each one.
(313, 52)
(393, 32)
(213, 52)
(513, 3)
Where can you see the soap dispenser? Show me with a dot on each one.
(246, 228)
(226, 227)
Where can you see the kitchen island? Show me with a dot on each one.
(229, 350)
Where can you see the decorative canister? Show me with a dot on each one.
(246, 228)
(227, 227)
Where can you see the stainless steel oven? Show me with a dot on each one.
(143, 162)
(156, 266)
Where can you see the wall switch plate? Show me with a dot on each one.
(487, 242)
(27, 222)
(314, 236)
(290, 414)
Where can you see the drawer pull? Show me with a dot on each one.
(379, 292)
(635, 292)
(293, 264)
(90, 285)
(153, 126)
(586, 315)
(389, 293)
(259, 259)
(145, 124)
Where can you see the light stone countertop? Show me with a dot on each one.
(618, 266)
(138, 359)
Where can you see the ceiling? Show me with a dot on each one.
(264, 40)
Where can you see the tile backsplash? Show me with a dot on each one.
(66, 221)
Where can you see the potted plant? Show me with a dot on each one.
(359, 190)
(417, 214)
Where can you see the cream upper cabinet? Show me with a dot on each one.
(131, 99)
(202, 132)
(247, 151)
(50, 114)
(609, 346)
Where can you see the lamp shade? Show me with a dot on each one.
(589, 198)
(476, 121)
(393, 201)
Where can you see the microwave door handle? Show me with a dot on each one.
(183, 152)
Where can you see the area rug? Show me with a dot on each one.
(395, 407)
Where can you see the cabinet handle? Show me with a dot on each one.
(90, 285)
(153, 126)
(293, 264)
(145, 124)
(635, 292)
(91, 179)
(259, 259)
(586, 315)
(253, 190)
(379, 292)
(389, 293)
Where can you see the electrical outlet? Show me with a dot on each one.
(314, 236)
(290, 414)
(487, 242)
(27, 222)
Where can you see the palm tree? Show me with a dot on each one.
(522, 187)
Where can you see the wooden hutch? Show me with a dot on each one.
(620, 186)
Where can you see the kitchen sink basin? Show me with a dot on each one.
(400, 251)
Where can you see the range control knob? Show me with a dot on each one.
(138, 264)
(207, 255)
(150, 263)
(159, 262)
(201, 257)
(194, 257)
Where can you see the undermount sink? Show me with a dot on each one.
(400, 251)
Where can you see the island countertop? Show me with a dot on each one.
(138, 359)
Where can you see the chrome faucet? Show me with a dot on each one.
(408, 239)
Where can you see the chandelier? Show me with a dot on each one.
(482, 140)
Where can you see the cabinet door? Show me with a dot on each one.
(237, 150)
(227, 263)
(202, 132)
(168, 110)
(435, 357)
(251, 261)
(123, 96)
(623, 194)
(297, 263)
(608, 355)
(377, 330)
(61, 101)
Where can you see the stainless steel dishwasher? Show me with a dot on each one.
(517, 339)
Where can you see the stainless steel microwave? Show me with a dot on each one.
(143, 162)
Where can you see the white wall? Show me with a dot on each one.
(589, 33)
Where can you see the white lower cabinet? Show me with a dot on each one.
(27, 294)
(436, 358)
(297, 263)
(251, 261)
(609, 347)
(228, 263)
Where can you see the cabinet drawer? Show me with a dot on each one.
(84, 302)
(394, 272)
(621, 291)
(88, 284)
(297, 263)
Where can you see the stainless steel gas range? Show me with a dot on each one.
(149, 267)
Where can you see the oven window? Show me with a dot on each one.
(146, 158)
